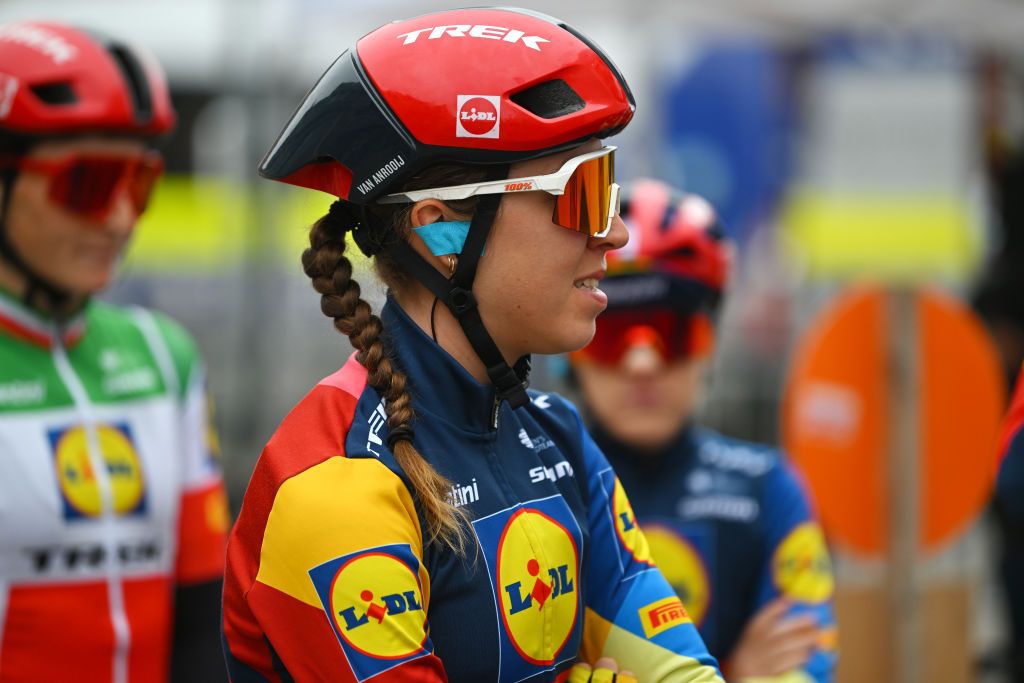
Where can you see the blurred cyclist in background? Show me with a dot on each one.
(1009, 506)
(112, 513)
(727, 522)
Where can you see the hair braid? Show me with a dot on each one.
(331, 273)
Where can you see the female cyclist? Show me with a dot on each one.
(112, 513)
(726, 521)
(420, 515)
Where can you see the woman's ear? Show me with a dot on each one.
(427, 211)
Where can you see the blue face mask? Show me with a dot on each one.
(444, 237)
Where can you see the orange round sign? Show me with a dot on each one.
(836, 416)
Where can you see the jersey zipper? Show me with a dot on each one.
(115, 587)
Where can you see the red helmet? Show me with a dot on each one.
(57, 80)
(677, 255)
(475, 86)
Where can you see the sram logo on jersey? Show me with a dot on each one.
(77, 480)
(375, 603)
(507, 35)
(532, 553)
(477, 116)
(561, 469)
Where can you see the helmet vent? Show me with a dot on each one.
(138, 85)
(54, 93)
(549, 99)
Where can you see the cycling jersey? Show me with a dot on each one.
(1009, 505)
(1010, 485)
(731, 529)
(110, 497)
(329, 576)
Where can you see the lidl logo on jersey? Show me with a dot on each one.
(626, 528)
(801, 565)
(77, 479)
(683, 568)
(375, 603)
(533, 557)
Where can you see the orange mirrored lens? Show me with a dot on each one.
(585, 204)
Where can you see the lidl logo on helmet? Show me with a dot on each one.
(801, 565)
(77, 480)
(375, 603)
(477, 116)
(533, 558)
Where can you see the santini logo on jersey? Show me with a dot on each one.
(508, 35)
(460, 495)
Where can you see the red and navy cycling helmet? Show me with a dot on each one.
(486, 87)
(664, 287)
(475, 86)
(678, 256)
(57, 80)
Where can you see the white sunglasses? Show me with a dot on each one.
(582, 197)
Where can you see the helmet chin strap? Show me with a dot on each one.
(35, 284)
(457, 294)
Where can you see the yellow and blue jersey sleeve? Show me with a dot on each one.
(798, 566)
(632, 613)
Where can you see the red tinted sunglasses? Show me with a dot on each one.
(89, 184)
(674, 335)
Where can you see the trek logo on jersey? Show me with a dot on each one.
(508, 35)
(626, 527)
(375, 602)
(60, 560)
(801, 566)
(77, 481)
(477, 116)
(662, 615)
(533, 558)
(683, 568)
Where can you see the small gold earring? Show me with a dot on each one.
(452, 262)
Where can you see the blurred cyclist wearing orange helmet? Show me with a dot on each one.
(727, 521)
(113, 514)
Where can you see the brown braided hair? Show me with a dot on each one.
(331, 273)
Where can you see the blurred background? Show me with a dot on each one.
(842, 141)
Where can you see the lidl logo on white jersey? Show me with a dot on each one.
(76, 478)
